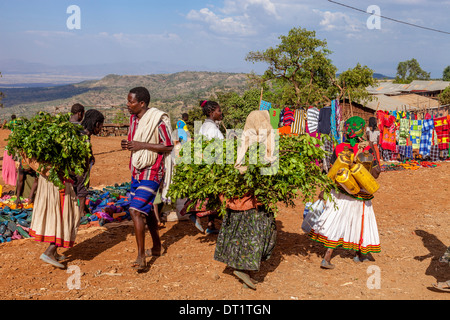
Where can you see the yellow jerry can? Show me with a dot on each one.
(347, 181)
(364, 178)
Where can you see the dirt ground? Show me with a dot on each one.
(412, 209)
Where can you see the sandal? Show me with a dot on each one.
(442, 286)
(153, 253)
(139, 264)
(326, 265)
(49, 260)
(245, 278)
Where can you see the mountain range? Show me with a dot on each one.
(170, 92)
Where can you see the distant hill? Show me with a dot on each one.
(173, 93)
(170, 92)
(381, 76)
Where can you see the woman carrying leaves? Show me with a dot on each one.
(349, 220)
(56, 214)
(210, 130)
(248, 232)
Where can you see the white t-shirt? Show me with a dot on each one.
(373, 135)
(211, 130)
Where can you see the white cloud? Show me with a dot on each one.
(237, 17)
(232, 7)
(239, 25)
(338, 21)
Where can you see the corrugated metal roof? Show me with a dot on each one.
(387, 87)
(398, 102)
(433, 85)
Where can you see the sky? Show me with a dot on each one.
(217, 35)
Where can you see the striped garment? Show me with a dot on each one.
(143, 193)
(288, 116)
(313, 119)
(426, 137)
(298, 126)
(155, 172)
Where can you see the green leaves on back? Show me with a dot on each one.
(296, 173)
(52, 141)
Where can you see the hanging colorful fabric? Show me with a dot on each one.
(298, 126)
(313, 119)
(275, 117)
(442, 131)
(416, 133)
(265, 105)
(403, 132)
(334, 126)
(427, 136)
(288, 117)
(388, 137)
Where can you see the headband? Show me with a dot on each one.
(203, 103)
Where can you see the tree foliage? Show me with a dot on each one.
(444, 97)
(352, 84)
(446, 74)
(410, 70)
(300, 66)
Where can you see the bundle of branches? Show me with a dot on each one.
(53, 142)
(205, 171)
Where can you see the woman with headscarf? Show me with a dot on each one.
(349, 221)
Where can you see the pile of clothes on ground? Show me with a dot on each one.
(408, 165)
(15, 219)
(107, 205)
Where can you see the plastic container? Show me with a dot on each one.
(366, 159)
(364, 178)
(314, 212)
(344, 160)
(345, 178)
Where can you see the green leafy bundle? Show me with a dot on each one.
(202, 174)
(54, 142)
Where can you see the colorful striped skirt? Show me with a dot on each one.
(352, 225)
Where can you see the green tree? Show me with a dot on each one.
(300, 67)
(410, 70)
(446, 74)
(352, 84)
(444, 97)
(120, 117)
